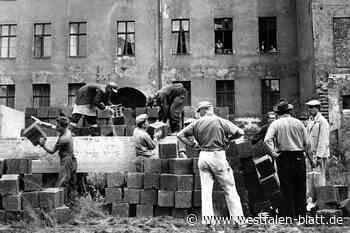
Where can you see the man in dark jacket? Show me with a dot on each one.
(88, 99)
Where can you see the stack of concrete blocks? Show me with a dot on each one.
(22, 195)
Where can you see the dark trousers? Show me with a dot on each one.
(292, 174)
(67, 178)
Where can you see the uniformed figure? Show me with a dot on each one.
(88, 99)
(318, 133)
(286, 138)
(68, 163)
(212, 134)
(171, 100)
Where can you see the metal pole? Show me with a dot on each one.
(160, 43)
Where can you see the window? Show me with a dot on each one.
(268, 34)
(8, 40)
(77, 39)
(7, 95)
(270, 94)
(187, 86)
(346, 102)
(180, 29)
(225, 94)
(41, 95)
(223, 35)
(126, 38)
(72, 89)
(42, 40)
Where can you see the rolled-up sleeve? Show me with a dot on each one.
(269, 137)
(231, 129)
(186, 132)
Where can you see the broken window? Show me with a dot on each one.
(268, 34)
(8, 41)
(7, 95)
(42, 40)
(223, 35)
(187, 86)
(180, 29)
(126, 38)
(270, 94)
(77, 39)
(72, 90)
(225, 94)
(41, 95)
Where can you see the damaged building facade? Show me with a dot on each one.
(240, 54)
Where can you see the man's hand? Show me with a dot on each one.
(42, 141)
(275, 154)
(182, 155)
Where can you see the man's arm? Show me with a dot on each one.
(98, 100)
(323, 139)
(269, 140)
(187, 132)
(232, 130)
(149, 142)
(42, 143)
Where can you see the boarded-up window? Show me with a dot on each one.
(341, 34)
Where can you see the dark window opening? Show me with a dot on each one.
(346, 102)
(7, 95)
(8, 40)
(72, 90)
(270, 94)
(268, 34)
(223, 35)
(42, 40)
(187, 86)
(41, 95)
(77, 39)
(225, 94)
(180, 29)
(126, 38)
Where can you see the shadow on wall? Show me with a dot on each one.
(129, 97)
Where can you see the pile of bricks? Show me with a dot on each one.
(23, 197)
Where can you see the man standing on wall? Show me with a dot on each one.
(318, 134)
(286, 138)
(212, 134)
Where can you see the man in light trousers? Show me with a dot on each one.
(212, 134)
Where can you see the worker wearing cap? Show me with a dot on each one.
(144, 145)
(88, 99)
(212, 134)
(287, 142)
(318, 133)
(68, 163)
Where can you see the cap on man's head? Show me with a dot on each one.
(204, 104)
(313, 103)
(141, 118)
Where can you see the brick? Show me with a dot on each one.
(152, 165)
(153, 112)
(197, 182)
(118, 130)
(30, 199)
(180, 166)
(183, 199)
(62, 214)
(197, 198)
(326, 195)
(244, 149)
(120, 210)
(151, 181)
(135, 180)
(270, 185)
(168, 182)
(116, 179)
(9, 184)
(18, 166)
(167, 149)
(49, 198)
(165, 165)
(149, 197)
(133, 195)
(144, 211)
(343, 191)
(32, 182)
(184, 183)
(12, 202)
(265, 166)
(166, 198)
(162, 211)
(113, 195)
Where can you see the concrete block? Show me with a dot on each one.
(62, 214)
(197, 198)
(149, 197)
(32, 182)
(264, 166)
(9, 184)
(343, 191)
(197, 182)
(118, 130)
(34, 133)
(244, 148)
(30, 199)
(180, 166)
(50, 198)
(151, 181)
(18, 166)
(135, 180)
(184, 183)
(12, 202)
(326, 195)
(120, 210)
(144, 211)
(168, 182)
(152, 165)
(140, 110)
(162, 211)
(270, 185)
(61, 194)
(166, 198)
(183, 199)
(113, 195)
(133, 195)
(14, 216)
(179, 212)
(168, 149)
(165, 165)
(116, 179)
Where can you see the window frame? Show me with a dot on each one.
(8, 95)
(42, 37)
(41, 97)
(265, 108)
(268, 28)
(223, 31)
(126, 33)
(224, 92)
(188, 31)
(70, 95)
(8, 36)
(78, 35)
